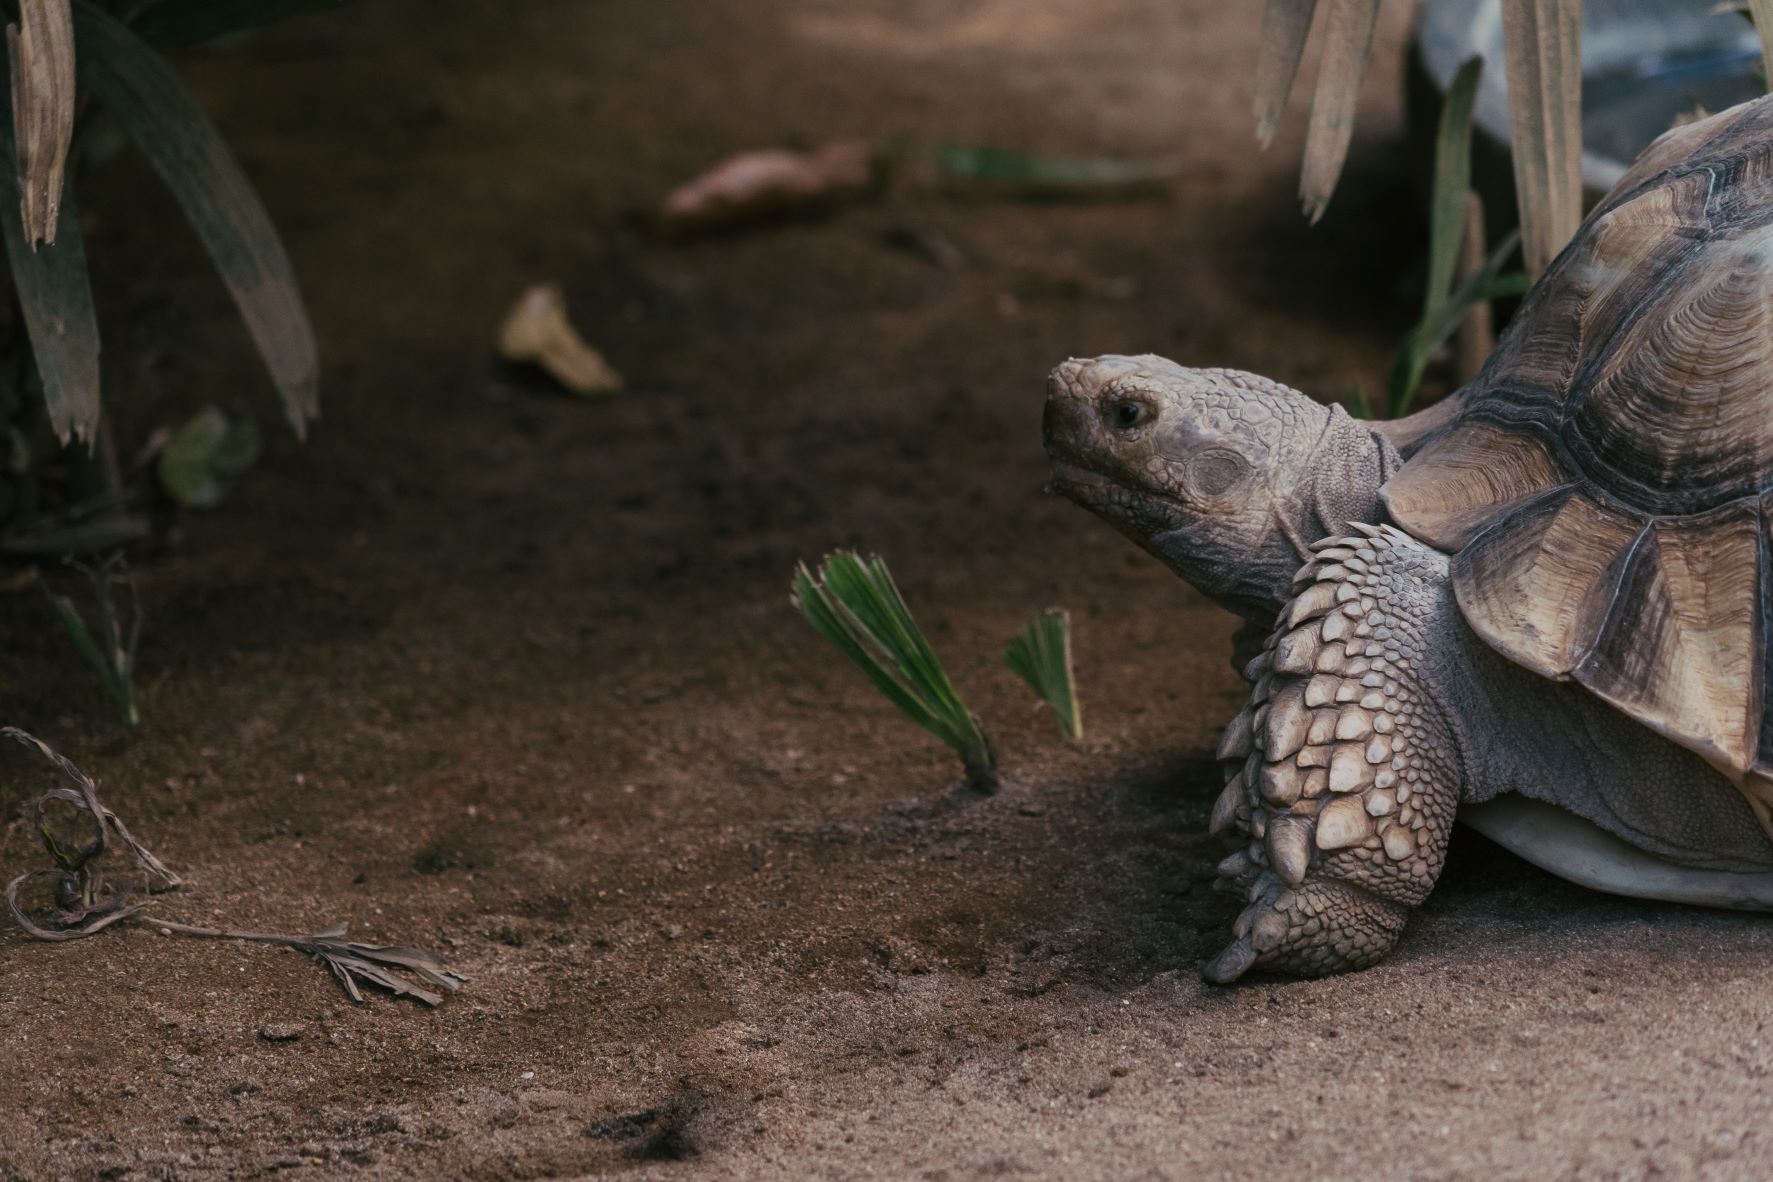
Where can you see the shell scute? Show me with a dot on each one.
(1606, 486)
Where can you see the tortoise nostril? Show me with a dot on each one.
(1065, 413)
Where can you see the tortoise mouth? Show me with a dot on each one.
(1078, 480)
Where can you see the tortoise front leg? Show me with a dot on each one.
(1339, 772)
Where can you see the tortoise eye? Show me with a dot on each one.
(1129, 414)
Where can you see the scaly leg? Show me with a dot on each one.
(1340, 770)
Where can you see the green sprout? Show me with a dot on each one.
(110, 653)
(1445, 303)
(855, 605)
(1041, 656)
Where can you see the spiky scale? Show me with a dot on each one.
(1343, 823)
(1295, 654)
(1314, 601)
(1281, 784)
(1349, 769)
(1289, 848)
(1288, 720)
(1225, 808)
(1236, 742)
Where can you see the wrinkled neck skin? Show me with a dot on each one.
(1315, 492)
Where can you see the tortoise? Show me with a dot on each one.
(1542, 606)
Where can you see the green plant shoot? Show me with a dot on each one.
(1445, 302)
(1041, 656)
(856, 606)
(111, 653)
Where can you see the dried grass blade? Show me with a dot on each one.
(1286, 24)
(1542, 47)
(1348, 40)
(1760, 12)
(40, 51)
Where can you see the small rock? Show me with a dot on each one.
(280, 1031)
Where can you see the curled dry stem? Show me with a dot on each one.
(85, 902)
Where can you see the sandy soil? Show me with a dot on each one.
(487, 669)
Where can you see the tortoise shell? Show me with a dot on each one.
(1607, 485)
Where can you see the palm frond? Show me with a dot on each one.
(856, 606)
(1041, 656)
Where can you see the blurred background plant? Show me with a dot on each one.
(1649, 64)
(79, 72)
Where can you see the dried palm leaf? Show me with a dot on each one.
(1348, 40)
(1541, 42)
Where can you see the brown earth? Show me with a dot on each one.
(513, 676)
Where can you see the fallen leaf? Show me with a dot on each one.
(768, 184)
(537, 332)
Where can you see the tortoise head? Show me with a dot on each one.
(1208, 469)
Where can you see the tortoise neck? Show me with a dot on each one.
(1340, 483)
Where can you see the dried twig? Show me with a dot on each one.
(86, 903)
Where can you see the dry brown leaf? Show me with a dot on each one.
(766, 184)
(1761, 13)
(40, 50)
(1541, 42)
(1348, 39)
(537, 332)
(1285, 26)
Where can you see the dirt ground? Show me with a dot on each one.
(515, 677)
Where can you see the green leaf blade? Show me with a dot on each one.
(55, 300)
(1452, 179)
(154, 108)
